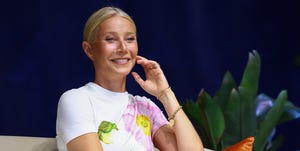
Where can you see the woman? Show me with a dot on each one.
(103, 110)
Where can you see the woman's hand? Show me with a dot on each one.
(155, 81)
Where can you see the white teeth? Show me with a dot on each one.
(120, 61)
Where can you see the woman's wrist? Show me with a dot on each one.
(161, 93)
(166, 96)
(169, 101)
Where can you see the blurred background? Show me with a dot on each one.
(195, 42)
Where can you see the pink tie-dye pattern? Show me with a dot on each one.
(142, 107)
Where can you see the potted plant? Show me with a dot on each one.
(237, 112)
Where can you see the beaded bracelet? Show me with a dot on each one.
(172, 117)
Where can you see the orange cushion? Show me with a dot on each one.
(244, 145)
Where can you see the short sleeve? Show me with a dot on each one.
(158, 118)
(75, 115)
(154, 112)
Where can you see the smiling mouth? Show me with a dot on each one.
(121, 61)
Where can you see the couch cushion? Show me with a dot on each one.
(22, 143)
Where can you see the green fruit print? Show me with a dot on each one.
(104, 131)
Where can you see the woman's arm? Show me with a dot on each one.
(165, 139)
(182, 136)
(86, 142)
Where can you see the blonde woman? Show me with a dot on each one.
(102, 115)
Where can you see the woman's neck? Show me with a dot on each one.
(112, 84)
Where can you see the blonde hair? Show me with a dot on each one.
(100, 16)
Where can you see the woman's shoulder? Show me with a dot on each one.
(74, 94)
(141, 100)
(138, 98)
(74, 91)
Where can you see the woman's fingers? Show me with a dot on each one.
(154, 77)
(138, 79)
(147, 64)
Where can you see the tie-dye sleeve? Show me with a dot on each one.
(158, 119)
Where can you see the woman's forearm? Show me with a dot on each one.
(186, 135)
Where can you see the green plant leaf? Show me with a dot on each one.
(199, 121)
(210, 140)
(232, 114)
(248, 91)
(251, 73)
(222, 95)
(248, 116)
(270, 121)
(214, 116)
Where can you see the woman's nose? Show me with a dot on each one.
(122, 47)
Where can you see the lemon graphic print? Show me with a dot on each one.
(143, 122)
(105, 130)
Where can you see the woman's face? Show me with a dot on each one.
(115, 48)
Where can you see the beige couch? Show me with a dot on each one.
(22, 143)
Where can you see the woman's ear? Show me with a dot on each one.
(87, 49)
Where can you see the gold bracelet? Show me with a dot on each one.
(172, 117)
(162, 92)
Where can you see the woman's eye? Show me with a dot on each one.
(130, 39)
(110, 39)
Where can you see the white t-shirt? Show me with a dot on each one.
(122, 121)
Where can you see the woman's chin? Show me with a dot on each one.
(123, 72)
